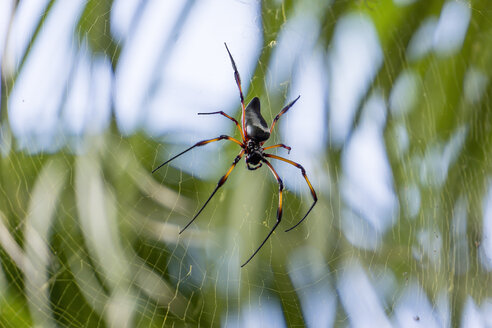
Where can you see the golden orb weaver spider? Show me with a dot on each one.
(254, 133)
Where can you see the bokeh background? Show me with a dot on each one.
(394, 128)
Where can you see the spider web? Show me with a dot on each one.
(392, 128)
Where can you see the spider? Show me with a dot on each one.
(254, 133)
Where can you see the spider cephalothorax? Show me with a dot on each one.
(254, 133)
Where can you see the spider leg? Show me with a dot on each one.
(238, 82)
(219, 184)
(279, 145)
(252, 168)
(229, 117)
(198, 144)
(279, 209)
(282, 112)
(303, 172)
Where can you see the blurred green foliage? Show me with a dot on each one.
(167, 280)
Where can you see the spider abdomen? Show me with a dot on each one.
(256, 126)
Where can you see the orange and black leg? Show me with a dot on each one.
(219, 184)
(303, 172)
(229, 117)
(279, 209)
(282, 112)
(277, 146)
(252, 168)
(238, 82)
(201, 143)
